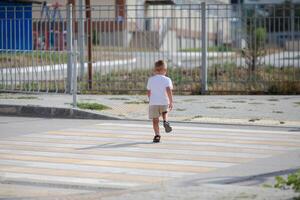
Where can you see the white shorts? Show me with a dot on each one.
(156, 110)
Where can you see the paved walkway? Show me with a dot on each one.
(105, 158)
(257, 110)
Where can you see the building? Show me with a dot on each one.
(16, 24)
(152, 26)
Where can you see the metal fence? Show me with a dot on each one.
(212, 48)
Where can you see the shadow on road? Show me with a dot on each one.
(113, 145)
(252, 180)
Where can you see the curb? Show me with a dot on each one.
(50, 112)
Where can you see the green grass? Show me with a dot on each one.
(226, 77)
(137, 102)
(22, 97)
(27, 97)
(92, 106)
(297, 103)
(119, 98)
(209, 49)
(32, 58)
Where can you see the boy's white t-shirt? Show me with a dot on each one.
(157, 84)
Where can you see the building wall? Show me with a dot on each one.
(268, 1)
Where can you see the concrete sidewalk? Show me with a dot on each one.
(249, 110)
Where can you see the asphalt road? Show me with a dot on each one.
(42, 158)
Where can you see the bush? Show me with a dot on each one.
(292, 181)
(286, 87)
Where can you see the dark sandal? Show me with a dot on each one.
(167, 127)
(156, 139)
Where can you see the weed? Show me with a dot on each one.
(238, 101)
(284, 87)
(119, 98)
(292, 181)
(221, 107)
(137, 102)
(254, 120)
(92, 106)
(180, 109)
(273, 100)
(255, 103)
(278, 112)
(189, 100)
(197, 116)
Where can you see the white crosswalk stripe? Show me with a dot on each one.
(122, 155)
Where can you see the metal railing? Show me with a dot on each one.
(213, 48)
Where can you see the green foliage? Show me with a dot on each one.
(292, 181)
(92, 106)
(284, 87)
(227, 77)
(255, 39)
(280, 182)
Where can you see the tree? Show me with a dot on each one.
(254, 50)
(255, 38)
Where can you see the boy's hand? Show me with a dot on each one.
(170, 96)
(171, 106)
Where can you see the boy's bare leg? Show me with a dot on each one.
(155, 122)
(165, 116)
(167, 126)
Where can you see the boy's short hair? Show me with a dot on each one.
(160, 65)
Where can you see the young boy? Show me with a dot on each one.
(160, 98)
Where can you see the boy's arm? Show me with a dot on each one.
(148, 93)
(170, 96)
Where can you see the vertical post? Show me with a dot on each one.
(204, 49)
(240, 25)
(69, 47)
(292, 23)
(89, 41)
(81, 39)
(74, 76)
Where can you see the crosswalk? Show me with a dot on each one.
(114, 155)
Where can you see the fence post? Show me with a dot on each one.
(74, 76)
(89, 41)
(69, 47)
(204, 50)
(293, 25)
(81, 39)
